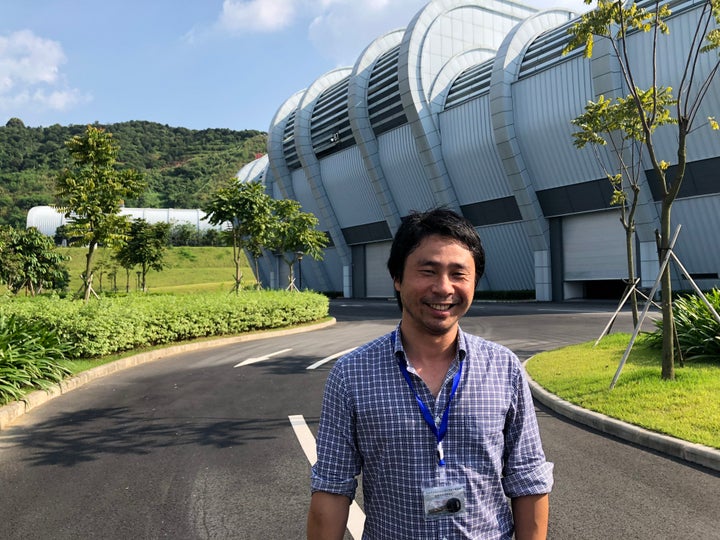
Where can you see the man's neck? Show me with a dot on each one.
(425, 349)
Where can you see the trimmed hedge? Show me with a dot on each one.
(114, 324)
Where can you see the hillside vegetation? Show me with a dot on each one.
(182, 167)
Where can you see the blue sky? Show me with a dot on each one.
(188, 63)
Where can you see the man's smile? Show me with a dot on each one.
(441, 307)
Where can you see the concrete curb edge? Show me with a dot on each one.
(691, 452)
(12, 411)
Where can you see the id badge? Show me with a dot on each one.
(441, 501)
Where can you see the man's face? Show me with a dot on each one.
(437, 286)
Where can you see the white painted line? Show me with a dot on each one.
(260, 358)
(304, 436)
(328, 358)
(356, 517)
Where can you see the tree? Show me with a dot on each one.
(247, 210)
(615, 123)
(639, 114)
(28, 261)
(294, 235)
(91, 191)
(144, 246)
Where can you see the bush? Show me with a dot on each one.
(29, 357)
(697, 330)
(115, 324)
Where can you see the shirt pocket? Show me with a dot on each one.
(389, 431)
(482, 435)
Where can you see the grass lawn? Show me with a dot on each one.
(687, 408)
(189, 269)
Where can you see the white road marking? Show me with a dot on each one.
(260, 358)
(328, 358)
(356, 518)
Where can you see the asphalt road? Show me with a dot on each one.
(196, 446)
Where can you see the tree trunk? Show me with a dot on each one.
(629, 238)
(236, 257)
(668, 349)
(258, 285)
(88, 272)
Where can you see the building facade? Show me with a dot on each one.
(470, 107)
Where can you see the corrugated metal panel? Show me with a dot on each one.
(676, 6)
(594, 247)
(544, 106)
(672, 50)
(304, 195)
(403, 171)
(509, 260)
(348, 187)
(470, 154)
(334, 268)
(697, 245)
(378, 281)
(45, 219)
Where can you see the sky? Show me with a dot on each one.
(185, 63)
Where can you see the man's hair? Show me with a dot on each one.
(439, 221)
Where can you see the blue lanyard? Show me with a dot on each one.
(441, 430)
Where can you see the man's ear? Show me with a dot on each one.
(396, 284)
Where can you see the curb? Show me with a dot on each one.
(691, 452)
(12, 411)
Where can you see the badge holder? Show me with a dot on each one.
(443, 498)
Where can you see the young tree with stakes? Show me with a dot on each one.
(145, 246)
(246, 209)
(294, 234)
(91, 191)
(639, 114)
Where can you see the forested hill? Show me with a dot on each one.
(181, 166)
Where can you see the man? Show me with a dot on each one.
(440, 423)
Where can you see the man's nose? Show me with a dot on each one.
(443, 283)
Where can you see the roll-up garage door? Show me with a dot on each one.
(594, 247)
(379, 284)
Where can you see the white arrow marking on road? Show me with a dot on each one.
(260, 358)
(328, 358)
(356, 518)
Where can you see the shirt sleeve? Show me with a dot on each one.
(338, 460)
(526, 471)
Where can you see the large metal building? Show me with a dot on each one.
(469, 107)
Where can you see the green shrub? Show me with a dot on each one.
(114, 324)
(29, 356)
(697, 330)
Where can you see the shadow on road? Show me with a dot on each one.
(82, 436)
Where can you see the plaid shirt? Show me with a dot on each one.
(371, 423)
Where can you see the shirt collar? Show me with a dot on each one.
(399, 351)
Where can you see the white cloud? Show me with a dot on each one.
(28, 59)
(30, 74)
(257, 15)
(345, 27)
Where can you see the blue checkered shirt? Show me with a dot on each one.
(371, 423)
